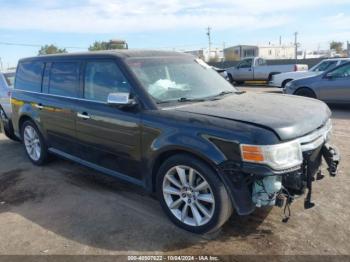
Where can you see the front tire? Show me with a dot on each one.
(306, 92)
(239, 83)
(34, 143)
(230, 78)
(192, 195)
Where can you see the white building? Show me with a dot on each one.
(277, 52)
(215, 55)
(267, 52)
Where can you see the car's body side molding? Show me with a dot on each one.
(101, 169)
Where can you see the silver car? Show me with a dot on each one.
(6, 85)
(332, 86)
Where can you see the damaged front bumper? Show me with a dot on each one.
(252, 185)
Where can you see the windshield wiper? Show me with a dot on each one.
(185, 99)
(221, 94)
(225, 93)
(215, 97)
(182, 100)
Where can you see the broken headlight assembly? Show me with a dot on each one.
(279, 157)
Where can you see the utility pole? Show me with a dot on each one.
(296, 45)
(209, 40)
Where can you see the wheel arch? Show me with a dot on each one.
(25, 117)
(305, 88)
(272, 74)
(286, 81)
(167, 153)
(241, 207)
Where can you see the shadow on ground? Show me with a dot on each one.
(89, 208)
(340, 111)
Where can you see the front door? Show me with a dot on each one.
(244, 70)
(108, 136)
(335, 86)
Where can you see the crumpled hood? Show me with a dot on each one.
(288, 116)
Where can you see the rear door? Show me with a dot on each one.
(58, 108)
(108, 136)
(336, 87)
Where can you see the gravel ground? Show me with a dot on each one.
(64, 208)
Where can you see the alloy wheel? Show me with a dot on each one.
(32, 143)
(188, 196)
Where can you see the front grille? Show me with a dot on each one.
(317, 138)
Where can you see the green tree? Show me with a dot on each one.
(337, 46)
(111, 45)
(51, 49)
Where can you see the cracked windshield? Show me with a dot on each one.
(177, 79)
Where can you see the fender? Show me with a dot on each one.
(26, 110)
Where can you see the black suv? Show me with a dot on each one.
(169, 123)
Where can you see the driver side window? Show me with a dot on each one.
(246, 63)
(102, 78)
(341, 72)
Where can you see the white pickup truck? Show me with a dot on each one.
(256, 68)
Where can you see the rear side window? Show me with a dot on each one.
(10, 79)
(29, 76)
(64, 79)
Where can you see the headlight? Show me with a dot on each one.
(278, 157)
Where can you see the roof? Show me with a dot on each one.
(337, 59)
(111, 53)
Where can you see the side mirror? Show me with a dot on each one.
(120, 99)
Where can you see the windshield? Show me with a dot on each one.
(323, 66)
(169, 79)
(10, 79)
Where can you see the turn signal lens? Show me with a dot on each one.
(252, 153)
(279, 157)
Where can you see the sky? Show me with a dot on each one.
(170, 24)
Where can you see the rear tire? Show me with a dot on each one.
(306, 92)
(7, 129)
(192, 195)
(34, 143)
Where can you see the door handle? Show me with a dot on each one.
(39, 106)
(83, 115)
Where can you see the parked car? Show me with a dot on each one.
(332, 86)
(256, 68)
(280, 80)
(6, 86)
(169, 123)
